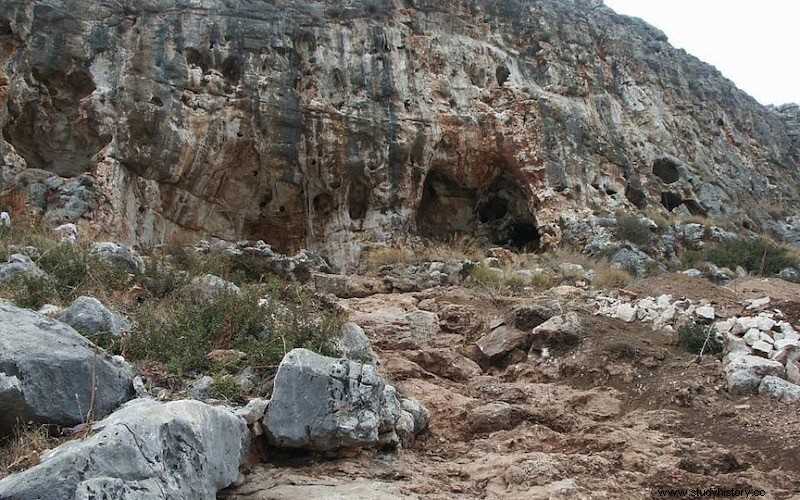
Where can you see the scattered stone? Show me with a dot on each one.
(51, 310)
(625, 312)
(744, 373)
(783, 391)
(491, 417)
(254, 410)
(790, 274)
(558, 332)
(764, 323)
(46, 371)
(209, 286)
(226, 356)
(447, 364)
(755, 304)
(146, 449)
(5, 219)
(693, 273)
(735, 345)
(705, 313)
(327, 404)
(793, 371)
(91, 318)
(200, 387)
(761, 348)
(114, 254)
(501, 341)
(752, 336)
(19, 265)
(354, 344)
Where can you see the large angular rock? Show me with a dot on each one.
(744, 373)
(326, 404)
(90, 317)
(354, 344)
(145, 450)
(210, 286)
(46, 372)
(502, 340)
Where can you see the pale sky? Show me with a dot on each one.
(754, 43)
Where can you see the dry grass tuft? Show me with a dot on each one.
(611, 278)
(22, 450)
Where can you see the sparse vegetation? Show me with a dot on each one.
(633, 229)
(755, 255)
(226, 387)
(21, 450)
(699, 339)
(455, 248)
(610, 277)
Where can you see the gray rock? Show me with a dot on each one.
(501, 341)
(558, 332)
(783, 391)
(209, 286)
(145, 450)
(354, 344)
(690, 234)
(47, 372)
(790, 274)
(693, 273)
(90, 317)
(633, 260)
(200, 387)
(744, 373)
(114, 254)
(793, 372)
(326, 404)
(19, 265)
(254, 410)
(249, 379)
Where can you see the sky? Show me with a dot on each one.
(754, 43)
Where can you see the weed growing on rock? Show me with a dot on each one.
(31, 291)
(21, 450)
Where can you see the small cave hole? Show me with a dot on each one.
(671, 201)
(195, 58)
(666, 170)
(523, 236)
(232, 69)
(502, 73)
(358, 200)
(156, 102)
(323, 204)
(5, 28)
(636, 196)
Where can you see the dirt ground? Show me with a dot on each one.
(619, 413)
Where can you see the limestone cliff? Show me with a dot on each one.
(327, 124)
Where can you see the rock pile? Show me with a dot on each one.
(756, 346)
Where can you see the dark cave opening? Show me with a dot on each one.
(498, 214)
(357, 200)
(671, 201)
(502, 73)
(666, 170)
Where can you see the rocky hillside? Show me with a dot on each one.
(362, 122)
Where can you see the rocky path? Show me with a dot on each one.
(607, 410)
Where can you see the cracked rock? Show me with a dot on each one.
(328, 404)
(145, 450)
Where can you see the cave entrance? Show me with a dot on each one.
(498, 214)
(666, 170)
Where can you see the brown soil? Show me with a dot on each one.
(623, 413)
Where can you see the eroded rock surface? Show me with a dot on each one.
(147, 449)
(46, 372)
(367, 120)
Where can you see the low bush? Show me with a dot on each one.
(611, 278)
(226, 387)
(633, 229)
(696, 338)
(181, 329)
(755, 255)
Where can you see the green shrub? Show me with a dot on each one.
(31, 291)
(692, 337)
(226, 387)
(754, 255)
(634, 229)
(181, 329)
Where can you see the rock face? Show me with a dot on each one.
(147, 449)
(45, 366)
(361, 121)
(326, 404)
